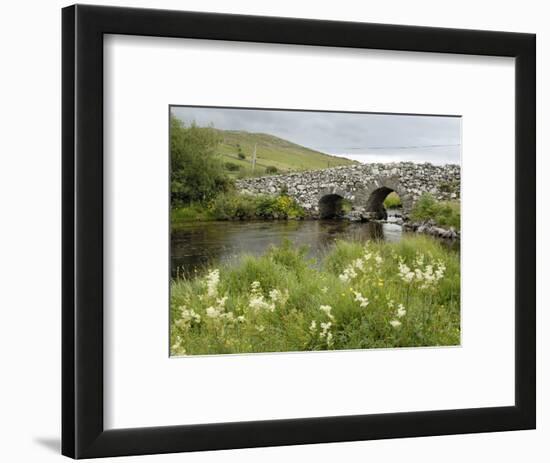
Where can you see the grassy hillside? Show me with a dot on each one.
(273, 155)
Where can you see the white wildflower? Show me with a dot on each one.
(277, 296)
(313, 326)
(325, 327)
(395, 323)
(213, 312)
(348, 274)
(363, 301)
(358, 264)
(256, 300)
(241, 319)
(401, 312)
(255, 287)
(405, 273)
(325, 333)
(228, 316)
(324, 289)
(378, 259)
(260, 328)
(212, 281)
(327, 309)
(188, 316)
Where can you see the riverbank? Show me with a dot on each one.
(356, 296)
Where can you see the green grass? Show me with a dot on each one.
(443, 213)
(272, 151)
(282, 302)
(238, 206)
(392, 201)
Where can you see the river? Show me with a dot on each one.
(195, 245)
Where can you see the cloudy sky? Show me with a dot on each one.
(363, 137)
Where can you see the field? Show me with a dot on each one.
(273, 155)
(357, 296)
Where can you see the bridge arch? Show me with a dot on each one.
(375, 195)
(331, 206)
(332, 201)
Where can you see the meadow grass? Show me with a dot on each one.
(443, 213)
(358, 296)
(392, 201)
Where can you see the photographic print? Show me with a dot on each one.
(300, 230)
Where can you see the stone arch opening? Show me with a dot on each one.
(375, 203)
(332, 206)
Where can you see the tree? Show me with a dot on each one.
(197, 172)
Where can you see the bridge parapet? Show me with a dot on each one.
(364, 185)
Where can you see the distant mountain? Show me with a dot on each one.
(273, 155)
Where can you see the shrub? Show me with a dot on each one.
(443, 213)
(228, 206)
(197, 173)
(271, 170)
(231, 166)
(241, 155)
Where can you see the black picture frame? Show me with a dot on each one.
(83, 433)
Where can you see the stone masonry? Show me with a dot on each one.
(364, 185)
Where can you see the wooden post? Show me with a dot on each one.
(254, 157)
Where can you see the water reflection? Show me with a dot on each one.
(196, 245)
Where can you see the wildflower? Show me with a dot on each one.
(347, 275)
(395, 323)
(255, 287)
(313, 326)
(241, 319)
(405, 272)
(177, 346)
(212, 281)
(363, 301)
(275, 295)
(260, 328)
(324, 289)
(257, 301)
(325, 333)
(213, 312)
(278, 296)
(228, 316)
(327, 309)
(378, 259)
(358, 264)
(188, 317)
(401, 312)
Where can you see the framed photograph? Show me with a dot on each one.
(284, 231)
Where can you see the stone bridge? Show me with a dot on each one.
(323, 193)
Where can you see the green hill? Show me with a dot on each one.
(274, 155)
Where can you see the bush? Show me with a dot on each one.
(241, 206)
(197, 172)
(278, 207)
(228, 206)
(241, 155)
(443, 213)
(271, 170)
(231, 166)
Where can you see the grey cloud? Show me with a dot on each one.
(364, 137)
